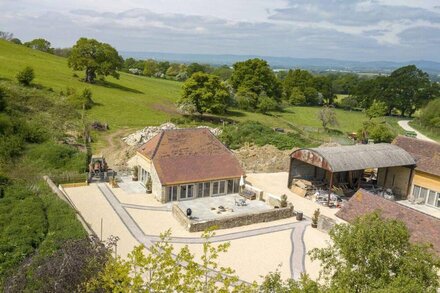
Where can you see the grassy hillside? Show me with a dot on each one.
(130, 101)
(137, 101)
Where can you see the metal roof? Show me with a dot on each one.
(355, 157)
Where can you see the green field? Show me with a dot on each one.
(137, 101)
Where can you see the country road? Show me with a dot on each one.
(404, 124)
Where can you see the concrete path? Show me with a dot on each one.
(404, 124)
(126, 219)
(298, 254)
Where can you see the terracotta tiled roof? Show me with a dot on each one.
(422, 227)
(190, 155)
(427, 154)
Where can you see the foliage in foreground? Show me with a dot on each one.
(375, 255)
(430, 115)
(252, 132)
(162, 271)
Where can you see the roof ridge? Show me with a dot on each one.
(157, 145)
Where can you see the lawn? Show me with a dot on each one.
(132, 101)
(136, 101)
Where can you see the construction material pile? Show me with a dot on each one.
(142, 136)
(265, 159)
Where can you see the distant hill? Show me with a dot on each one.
(318, 64)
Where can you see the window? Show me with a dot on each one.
(222, 187)
(206, 189)
(172, 193)
(230, 186)
(424, 195)
(200, 190)
(431, 198)
(215, 188)
(182, 191)
(236, 185)
(190, 191)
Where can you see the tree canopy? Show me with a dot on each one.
(95, 58)
(40, 45)
(204, 93)
(255, 75)
(375, 255)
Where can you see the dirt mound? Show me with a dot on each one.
(265, 159)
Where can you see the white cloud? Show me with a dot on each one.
(344, 29)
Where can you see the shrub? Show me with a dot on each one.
(235, 136)
(266, 104)
(80, 101)
(430, 115)
(378, 131)
(26, 76)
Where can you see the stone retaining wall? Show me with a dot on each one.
(231, 221)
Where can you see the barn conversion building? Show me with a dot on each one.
(345, 166)
(187, 163)
(425, 187)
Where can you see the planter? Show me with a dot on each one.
(134, 178)
(314, 225)
(149, 191)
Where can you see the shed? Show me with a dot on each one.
(345, 165)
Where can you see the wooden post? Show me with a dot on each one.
(385, 181)
(330, 189)
(410, 179)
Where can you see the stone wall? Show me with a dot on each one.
(231, 221)
(325, 223)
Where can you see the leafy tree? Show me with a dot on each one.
(163, 66)
(297, 78)
(151, 67)
(266, 104)
(323, 84)
(257, 76)
(62, 52)
(378, 131)
(312, 96)
(173, 70)
(161, 271)
(411, 89)
(95, 58)
(246, 99)
(205, 93)
(349, 102)
(80, 101)
(297, 97)
(375, 255)
(327, 116)
(377, 109)
(196, 67)
(16, 41)
(40, 45)
(430, 115)
(26, 76)
(273, 283)
(224, 72)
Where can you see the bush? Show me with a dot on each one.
(378, 131)
(266, 104)
(349, 103)
(26, 76)
(235, 136)
(430, 115)
(80, 101)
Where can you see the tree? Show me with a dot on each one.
(297, 97)
(266, 104)
(16, 41)
(224, 72)
(297, 78)
(173, 70)
(150, 67)
(273, 283)
(312, 96)
(323, 84)
(6, 36)
(246, 99)
(257, 76)
(196, 67)
(62, 52)
(327, 116)
(26, 76)
(374, 254)
(378, 131)
(40, 45)
(80, 101)
(163, 270)
(411, 89)
(377, 109)
(205, 93)
(430, 115)
(349, 102)
(95, 58)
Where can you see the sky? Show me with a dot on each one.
(361, 30)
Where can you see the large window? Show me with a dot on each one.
(219, 187)
(187, 191)
(203, 189)
(424, 195)
(172, 193)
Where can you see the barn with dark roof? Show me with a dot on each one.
(188, 163)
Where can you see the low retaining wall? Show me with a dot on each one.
(231, 221)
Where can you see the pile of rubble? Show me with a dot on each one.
(142, 136)
(265, 159)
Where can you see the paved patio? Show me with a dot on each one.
(129, 186)
(434, 212)
(208, 208)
